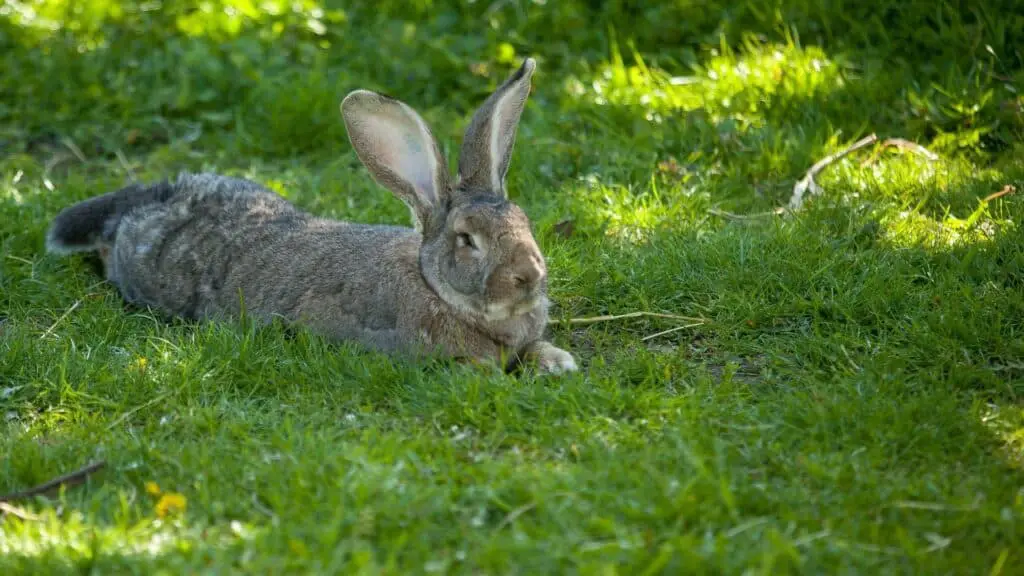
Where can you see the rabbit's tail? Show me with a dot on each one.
(85, 226)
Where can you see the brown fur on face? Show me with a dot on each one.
(485, 260)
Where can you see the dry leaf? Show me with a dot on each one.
(565, 228)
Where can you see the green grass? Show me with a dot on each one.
(851, 406)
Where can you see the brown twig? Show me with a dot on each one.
(62, 317)
(6, 508)
(262, 508)
(912, 146)
(904, 144)
(513, 515)
(125, 165)
(56, 160)
(734, 216)
(70, 145)
(128, 414)
(671, 330)
(807, 182)
(608, 318)
(1006, 191)
(72, 479)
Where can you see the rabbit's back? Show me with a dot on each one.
(220, 243)
(180, 255)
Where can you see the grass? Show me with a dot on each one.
(851, 406)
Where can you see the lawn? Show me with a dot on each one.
(845, 398)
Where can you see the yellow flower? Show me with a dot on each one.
(506, 53)
(170, 502)
(152, 488)
(297, 547)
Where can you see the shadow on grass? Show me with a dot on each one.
(272, 79)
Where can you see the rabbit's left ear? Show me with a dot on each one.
(490, 137)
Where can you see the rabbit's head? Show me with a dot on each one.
(478, 251)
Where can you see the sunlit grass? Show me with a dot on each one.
(743, 90)
(915, 229)
(58, 544)
(1008, 422)
(935, 205)
(731, 85)
(214, 19)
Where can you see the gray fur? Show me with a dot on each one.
(494, 124)
(83, 227)
(468, 282)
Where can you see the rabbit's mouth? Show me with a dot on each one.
(500, 311)
(489, 308)
(525, 306)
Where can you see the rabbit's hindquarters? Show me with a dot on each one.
(180, 256)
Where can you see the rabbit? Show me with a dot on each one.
(468, 281)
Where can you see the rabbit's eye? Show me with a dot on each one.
(465, 240)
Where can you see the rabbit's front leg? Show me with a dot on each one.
(549, 358)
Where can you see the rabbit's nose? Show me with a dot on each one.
(530, 272)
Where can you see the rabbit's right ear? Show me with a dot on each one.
(397, 147)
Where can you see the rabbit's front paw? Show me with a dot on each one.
(552, 359)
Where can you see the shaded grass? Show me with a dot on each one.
(851, 405)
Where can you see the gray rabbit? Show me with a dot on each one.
(469, 282)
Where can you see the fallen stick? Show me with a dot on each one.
(70, 145)
(608, 318)
(513, 515)
(904, 144)
(125, 165)
(6, 508)
(59, 320)
(128, 414)
(734, 216)
(671, 330)
(1007, 190)
(807, 182)
(72, 479)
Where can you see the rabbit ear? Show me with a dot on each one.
(397, 147)
(487, 146)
